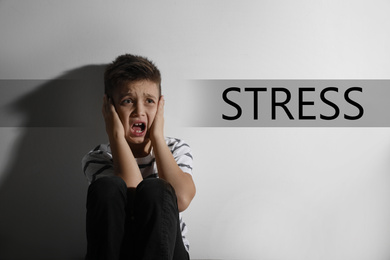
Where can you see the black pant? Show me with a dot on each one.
(141, 223)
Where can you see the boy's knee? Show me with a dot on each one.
(153, 189)
(107, 188)
(154, 184)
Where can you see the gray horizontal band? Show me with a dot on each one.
(287, 103)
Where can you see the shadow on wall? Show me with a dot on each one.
(43, 194)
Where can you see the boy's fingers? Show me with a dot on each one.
(108, 108)
(107, 103)
(104, 107)
(161, 103)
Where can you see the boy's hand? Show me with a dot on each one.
(157, 128)
(114, 127)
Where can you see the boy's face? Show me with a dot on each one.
(136, 104)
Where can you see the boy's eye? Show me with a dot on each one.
(127, 101)
(150, 101)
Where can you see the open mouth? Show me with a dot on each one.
(138, 128)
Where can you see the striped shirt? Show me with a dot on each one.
(98, 163)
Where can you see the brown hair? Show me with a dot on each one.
(130, 68)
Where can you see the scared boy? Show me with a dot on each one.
(141, 180)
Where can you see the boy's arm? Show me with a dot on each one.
(125, 165)
(166, 164)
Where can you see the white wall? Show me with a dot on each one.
(262, 193)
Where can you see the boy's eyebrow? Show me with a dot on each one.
(130, 93)
(124, 94)
(150, 95)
